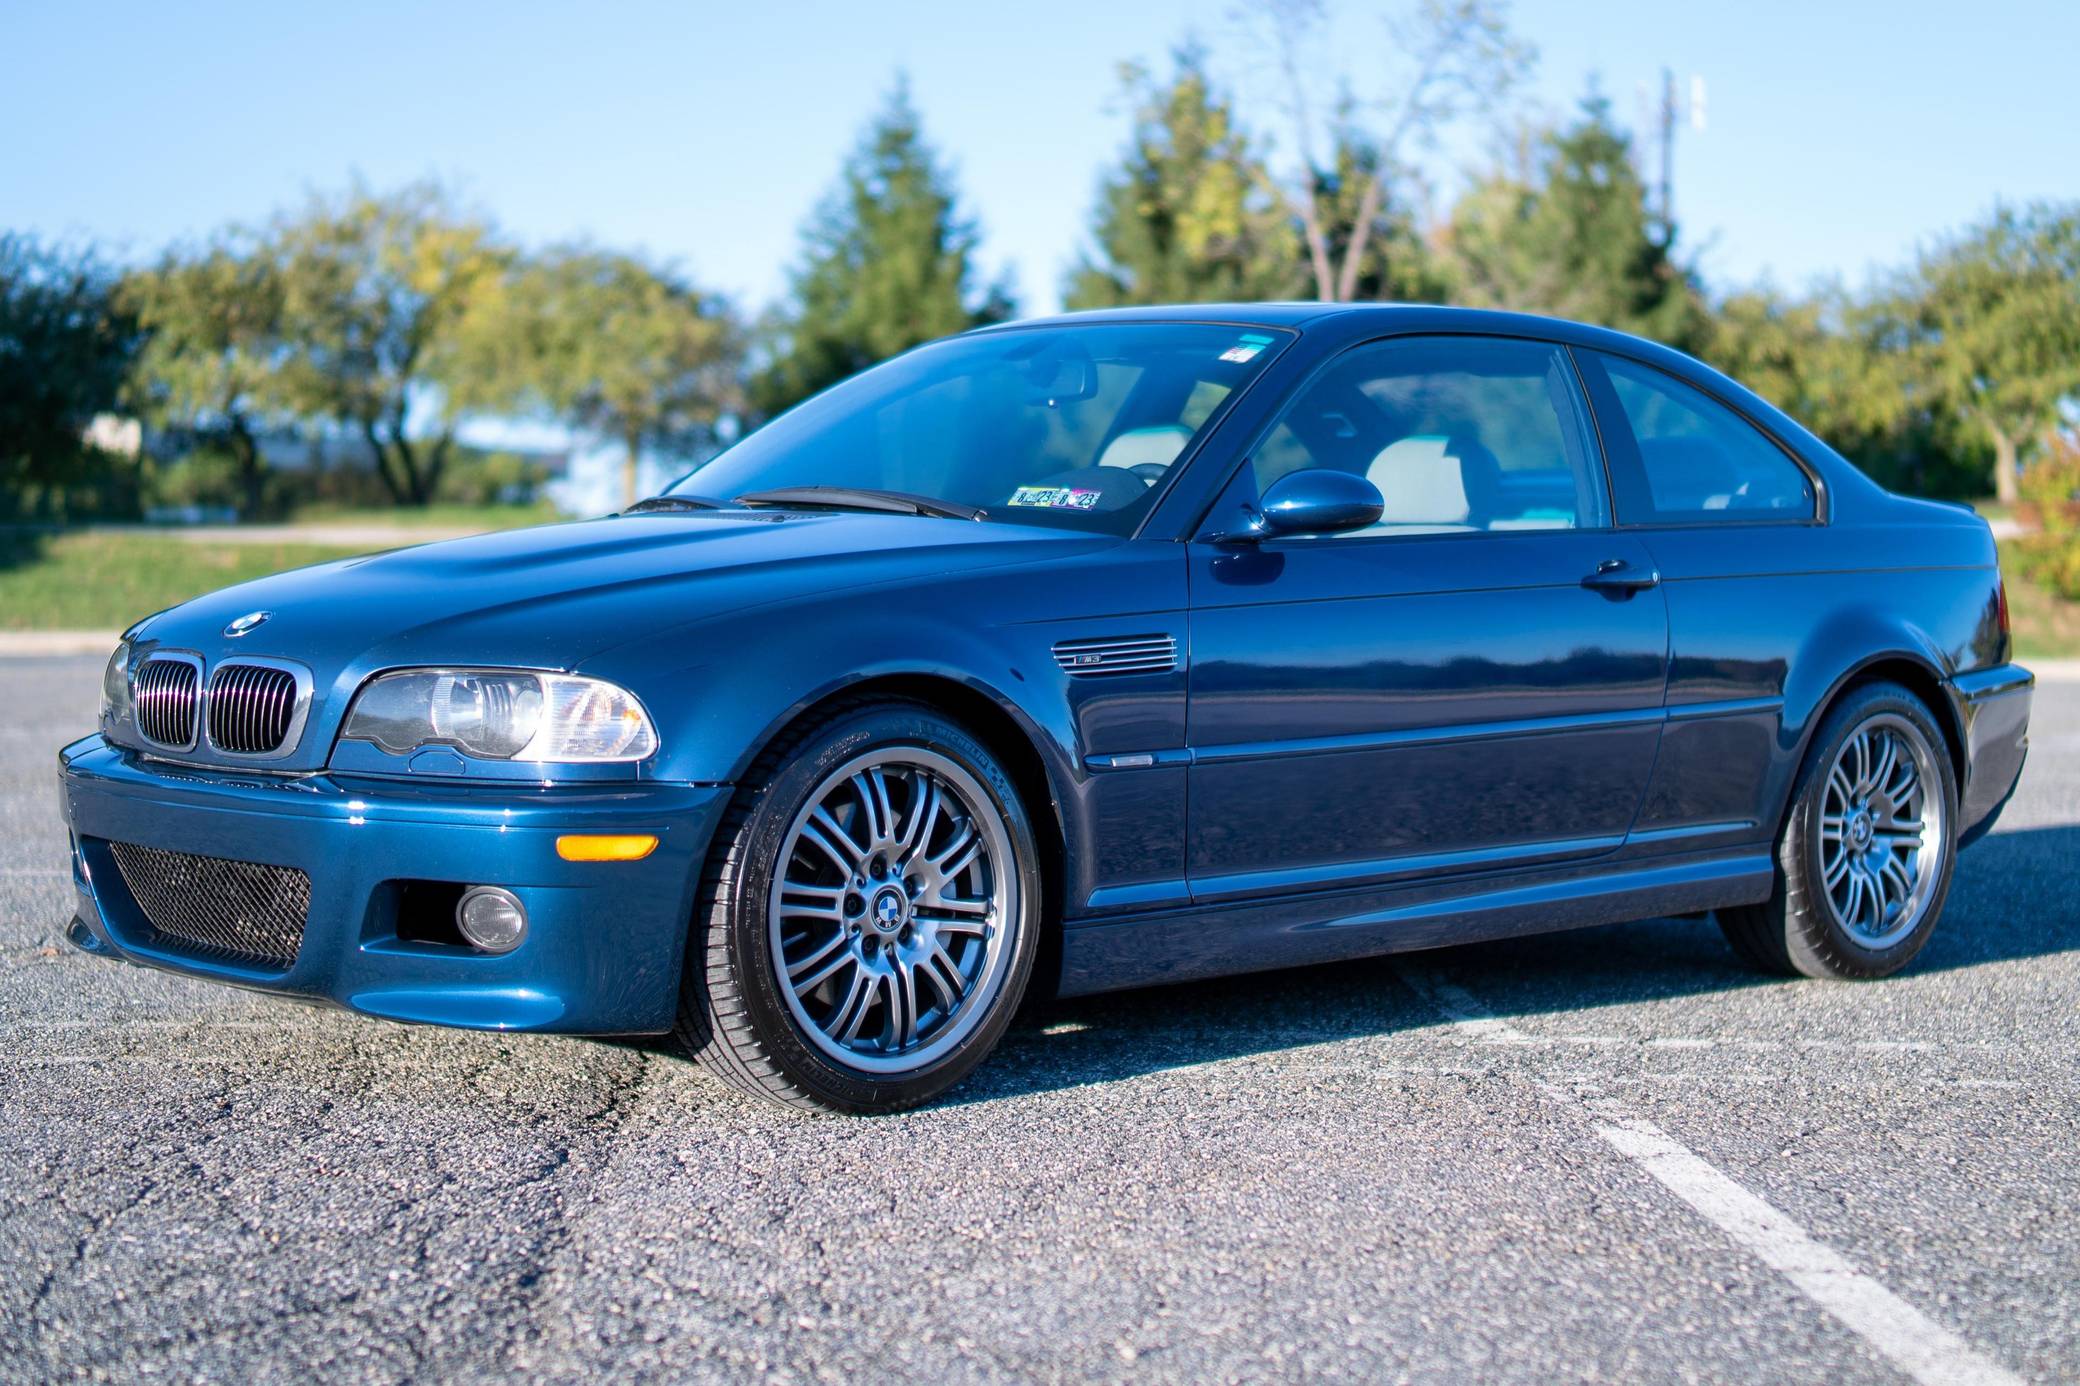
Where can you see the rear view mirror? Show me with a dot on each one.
(1060, 375)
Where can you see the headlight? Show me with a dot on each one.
(115, 685)
(503, 715)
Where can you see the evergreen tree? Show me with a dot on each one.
(1573, 237)
(1187, 217)
(887, 263)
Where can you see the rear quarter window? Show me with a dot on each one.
(1697, 462)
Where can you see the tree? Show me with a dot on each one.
(380, 295)
(1186, 217)
(625, 350)
(1571, 235)
(1372, 235)
(211, 361)
(1995, 316)
(888, 261)
(1837, 364)
(1353, 155)
(65, 348)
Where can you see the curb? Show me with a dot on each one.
(24, 643)
(2054, 670)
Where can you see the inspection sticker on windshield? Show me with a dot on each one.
(1246, 348)
(1054, 497)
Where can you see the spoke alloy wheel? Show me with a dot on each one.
(1881, 831)
(892, 909)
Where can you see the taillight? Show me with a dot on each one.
(2001, 604)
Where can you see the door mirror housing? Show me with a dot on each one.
(1319, 500)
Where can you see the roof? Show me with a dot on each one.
(1428, 317)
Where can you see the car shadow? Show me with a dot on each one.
(2013, 897)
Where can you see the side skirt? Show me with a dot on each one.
(1299, 931)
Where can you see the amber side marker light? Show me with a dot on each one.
(605, 846)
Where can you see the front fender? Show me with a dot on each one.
(721, 690)
(715, 713)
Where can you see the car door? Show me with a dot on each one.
(1474, 682)
(1749, 573)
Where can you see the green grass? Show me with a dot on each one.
(473, 517)
(100, 581)
(2047, 626)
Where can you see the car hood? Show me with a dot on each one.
(552, 596)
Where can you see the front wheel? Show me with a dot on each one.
(869, 918)
(1867, 846)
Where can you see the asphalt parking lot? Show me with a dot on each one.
(1611, 1154)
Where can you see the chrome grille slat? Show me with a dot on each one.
(1130, 654)
(251, 708)
(164, 693)
(239, 910)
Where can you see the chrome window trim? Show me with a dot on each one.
(194, 661)
(299, 713)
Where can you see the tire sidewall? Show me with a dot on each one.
(749, 943)
(1818, 944)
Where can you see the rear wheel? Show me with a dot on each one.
(869, 919)
(1866, 850)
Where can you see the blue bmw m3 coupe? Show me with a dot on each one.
(1116, 649)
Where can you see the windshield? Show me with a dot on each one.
(1068, 426)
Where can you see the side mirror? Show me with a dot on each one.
(1320, 500)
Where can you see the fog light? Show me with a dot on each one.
(491, 919)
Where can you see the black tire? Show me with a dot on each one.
(733, 1013)
(1798, 933)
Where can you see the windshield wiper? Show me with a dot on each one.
(676, 503)
(863, 498)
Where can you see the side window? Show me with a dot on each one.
(1701, 462)
(1458, 433)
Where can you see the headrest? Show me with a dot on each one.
(1421, 482)
(1139, 447)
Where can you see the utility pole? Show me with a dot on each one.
(1662, 116)
(1668, 158)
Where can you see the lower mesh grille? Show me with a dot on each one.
(238, 910)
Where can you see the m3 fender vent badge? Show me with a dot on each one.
(251, 621)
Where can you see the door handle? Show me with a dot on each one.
(1616, 575)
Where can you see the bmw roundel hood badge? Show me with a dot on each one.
(252, 620)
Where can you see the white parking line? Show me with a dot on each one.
(1915, 1343)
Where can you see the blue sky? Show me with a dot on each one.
(1838, 136)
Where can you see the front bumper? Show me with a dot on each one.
(1993, 705)
(605, 940)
